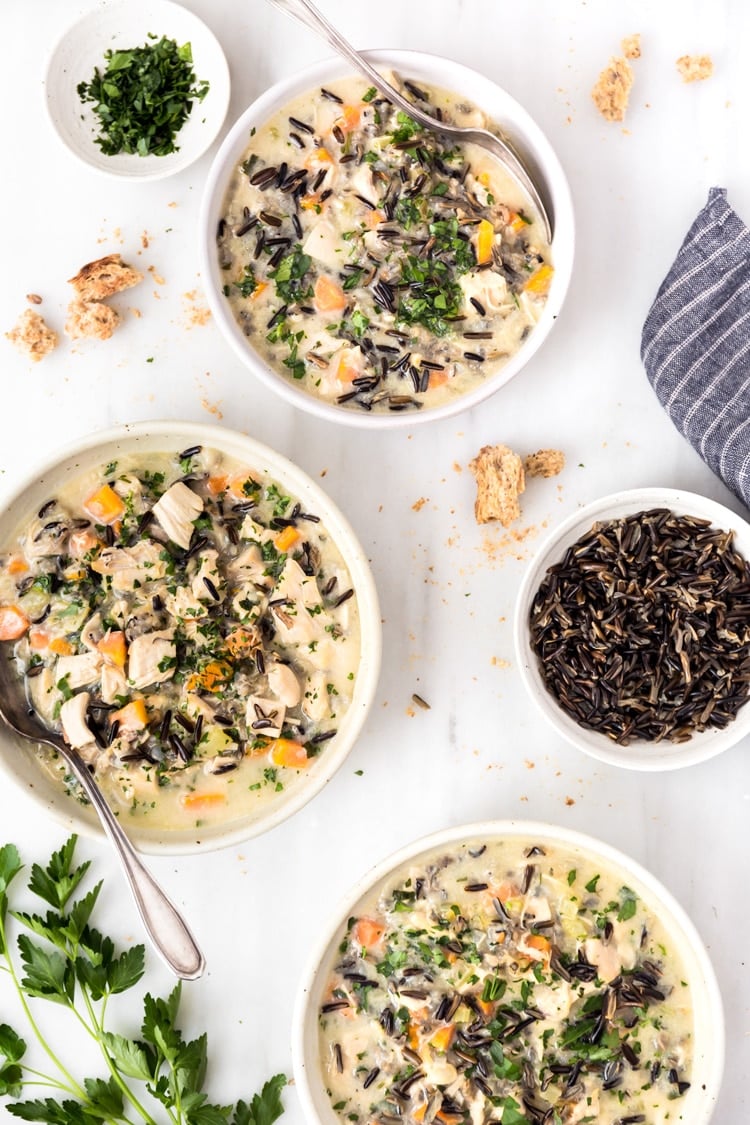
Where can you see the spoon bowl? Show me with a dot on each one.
(165, 927)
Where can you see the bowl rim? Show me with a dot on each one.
(273, 99)
(220, 86)
(639, 754)
(677, 922)
(192, 841)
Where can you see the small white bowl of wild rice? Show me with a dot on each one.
(632, 629)
(364, 270)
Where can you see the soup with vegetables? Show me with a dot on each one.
(372, 263)
(510, 981)
(189, 628)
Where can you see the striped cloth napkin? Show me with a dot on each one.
(696, 342)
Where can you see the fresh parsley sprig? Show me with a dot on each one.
(64, 959)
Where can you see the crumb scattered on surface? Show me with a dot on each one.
(104, 277)
(33, 298)
(500, 481)
(544, 463)
(569, 801)
(695, 68)
(32, 335)
(499, 662)
(612, 90)
(91, 319)
(197, 315)
(419, 504)
(144, 240)
(631, 46)
(156, 276)
(420, 702)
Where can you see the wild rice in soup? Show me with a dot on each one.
(372, 263)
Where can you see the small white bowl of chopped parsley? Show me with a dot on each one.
(632, 629)
(137, 90)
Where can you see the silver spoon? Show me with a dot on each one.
(306, 12)
(168, 932)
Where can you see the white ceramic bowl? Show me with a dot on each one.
(639, 754)
(698, 1103)
(449, 75)
(119, 26)
(17, 758)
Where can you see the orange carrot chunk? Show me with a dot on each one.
(13, 622)
(286, 538)
(202, 800)
(105, 505)
(367, 932)
(133, 716)
(287, 752)
(328, 296)
(113, 648)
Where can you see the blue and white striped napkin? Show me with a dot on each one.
(696, 342)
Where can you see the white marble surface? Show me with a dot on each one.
(447, 586)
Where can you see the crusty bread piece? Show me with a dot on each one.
(612, 90)
(104, 277)
(32, 335)
(545, 463)
(631, 46)
(500, 480)
(694, 68)
(91, 319)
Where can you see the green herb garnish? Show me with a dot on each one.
(65, 960)
(143, 97)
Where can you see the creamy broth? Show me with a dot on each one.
(506, 981)
(370, 262)
(189, 628)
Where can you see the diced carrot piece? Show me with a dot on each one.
(13, 623)
(212, 678)
(61, 647)
(241, 642)
(448, 1118)
(540, 280)
(485, 242)
(346, 371)
(113, 647)
(539, 941)
(202, 800)
(374, 218)
(286, 538)
(318, 156)
(443, 1037)
(412, 1035)
(133, 716)
(486, 1007)
(260, 287)
(82, 543)
(516, 222)
(418, 1114)
(437, 379)
(217, 484)
(38, 638)
(242, 486)
(311, 203)
(74, 574)
(286, 752)
(17, 565)
(484, 179)
(329, 296)
(349, 118)
(105, 505)
(367, 932)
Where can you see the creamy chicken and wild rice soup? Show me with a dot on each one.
(189, 628)
(372, 263)
(506, 981)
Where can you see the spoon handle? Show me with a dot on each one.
(169, 934)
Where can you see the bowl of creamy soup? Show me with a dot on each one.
(366, 269)
(510, 971)
(196, 617)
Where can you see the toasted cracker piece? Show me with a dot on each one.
(695, 68)
(500, 481)
(545, 463)
(612, 90)
(91, 319)
(32, 335)
(104, 277)
(631, 46)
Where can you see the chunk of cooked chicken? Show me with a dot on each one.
(283, 683)
(208, 578)
(78, 671)
(265, 717)
(73, 718)
(176, 510)
(113, 683)
(151, 659)
(129, 567)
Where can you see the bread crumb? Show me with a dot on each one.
(91, 319)
(419, 504)
(33, 298)
(631, 46)
(545, 463)
(569, 801)
(612, 89)
(104, 277)
(32, 335)
(500, 481)
(695, 68)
